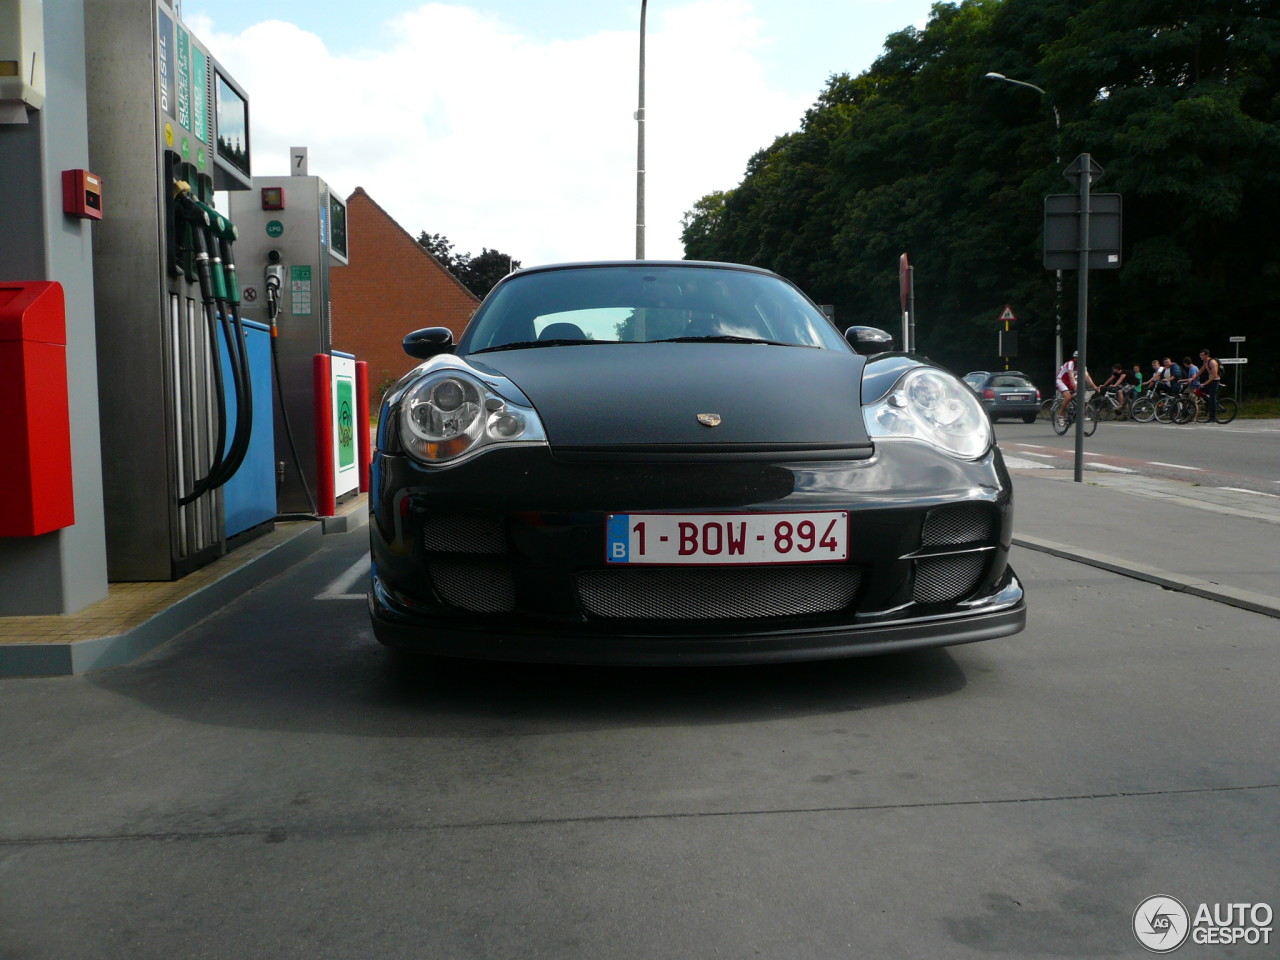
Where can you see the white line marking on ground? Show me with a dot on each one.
(1110, 467)
(1176, 466)
(1047, 456)
(340, 587)
(1017, 463)
(1258, 492)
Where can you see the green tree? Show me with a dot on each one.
(438, 245)
(478, 274)
(1179, 100)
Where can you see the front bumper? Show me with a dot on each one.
(503, 558)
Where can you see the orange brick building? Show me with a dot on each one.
(391, 286)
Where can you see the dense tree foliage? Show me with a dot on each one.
(1179, 101)
(478, 274)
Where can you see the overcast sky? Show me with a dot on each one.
(509, 123)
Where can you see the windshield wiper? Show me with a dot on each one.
(727, 338)
(530, 344)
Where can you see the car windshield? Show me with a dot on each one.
(1012, 383)
(645, 304)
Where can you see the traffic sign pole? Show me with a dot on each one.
(1084, 169)
(1006, 317)
(1239, 371)
(911, 307)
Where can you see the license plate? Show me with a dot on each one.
(1016, 396)
(727, 538)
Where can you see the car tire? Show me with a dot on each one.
(1029, 417)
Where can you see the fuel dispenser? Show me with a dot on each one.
(292, 229)
(168, 127)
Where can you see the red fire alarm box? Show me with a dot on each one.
(273, 198)
(82, 194)
(35, 428)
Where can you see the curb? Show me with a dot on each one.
(100, 653)
(1232, 596)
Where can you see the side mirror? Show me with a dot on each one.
(868, 340)
(428, 342)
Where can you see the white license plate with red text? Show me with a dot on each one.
(727, 538)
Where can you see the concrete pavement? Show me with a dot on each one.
(271, 783)
(1211, 542)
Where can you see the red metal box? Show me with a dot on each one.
(35, 419)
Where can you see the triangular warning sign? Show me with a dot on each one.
(1007, 314)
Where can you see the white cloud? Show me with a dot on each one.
(467, 128)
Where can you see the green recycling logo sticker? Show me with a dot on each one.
(275, 228)
(346, 424)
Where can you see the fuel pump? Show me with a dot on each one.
(273, 283)
(181, 419)
(209, 238)
(291, 229)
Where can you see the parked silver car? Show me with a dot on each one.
(1007, 393)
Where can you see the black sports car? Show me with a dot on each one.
(644, 462)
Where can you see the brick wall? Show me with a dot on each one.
(391, 287)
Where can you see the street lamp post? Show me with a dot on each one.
(1057, 161)
(644, 5)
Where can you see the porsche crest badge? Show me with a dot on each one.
(709, 419)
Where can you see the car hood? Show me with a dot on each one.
(652, 393)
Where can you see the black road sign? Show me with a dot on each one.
(1072, 173)
(1062, 231)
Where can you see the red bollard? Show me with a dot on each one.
(326, 500)
(363, 444)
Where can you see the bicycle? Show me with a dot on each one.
(1167, 407)
(1047, 406)
(1194, 405)
(1143, 409)
(1107, 405)
(1154, 403)
(1061, 424)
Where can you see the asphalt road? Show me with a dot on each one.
(273, 784)
(1244, 454)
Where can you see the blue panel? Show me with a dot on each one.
(249, 497)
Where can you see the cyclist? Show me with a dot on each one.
(1172, 376)
(1191, 374)
(1160, 378)
(1066, 384)
(1117, 384)
(1135, 382)
(1157, 377)
(1210, 381)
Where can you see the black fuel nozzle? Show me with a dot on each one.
(189, 224)
(274, 281)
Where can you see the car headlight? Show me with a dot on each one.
(449, 414)
(932, 406)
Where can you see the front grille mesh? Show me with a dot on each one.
(464, 533)
(717, 593)
(946, 579)
(481, 586)
(964, 523)
(467, 561)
